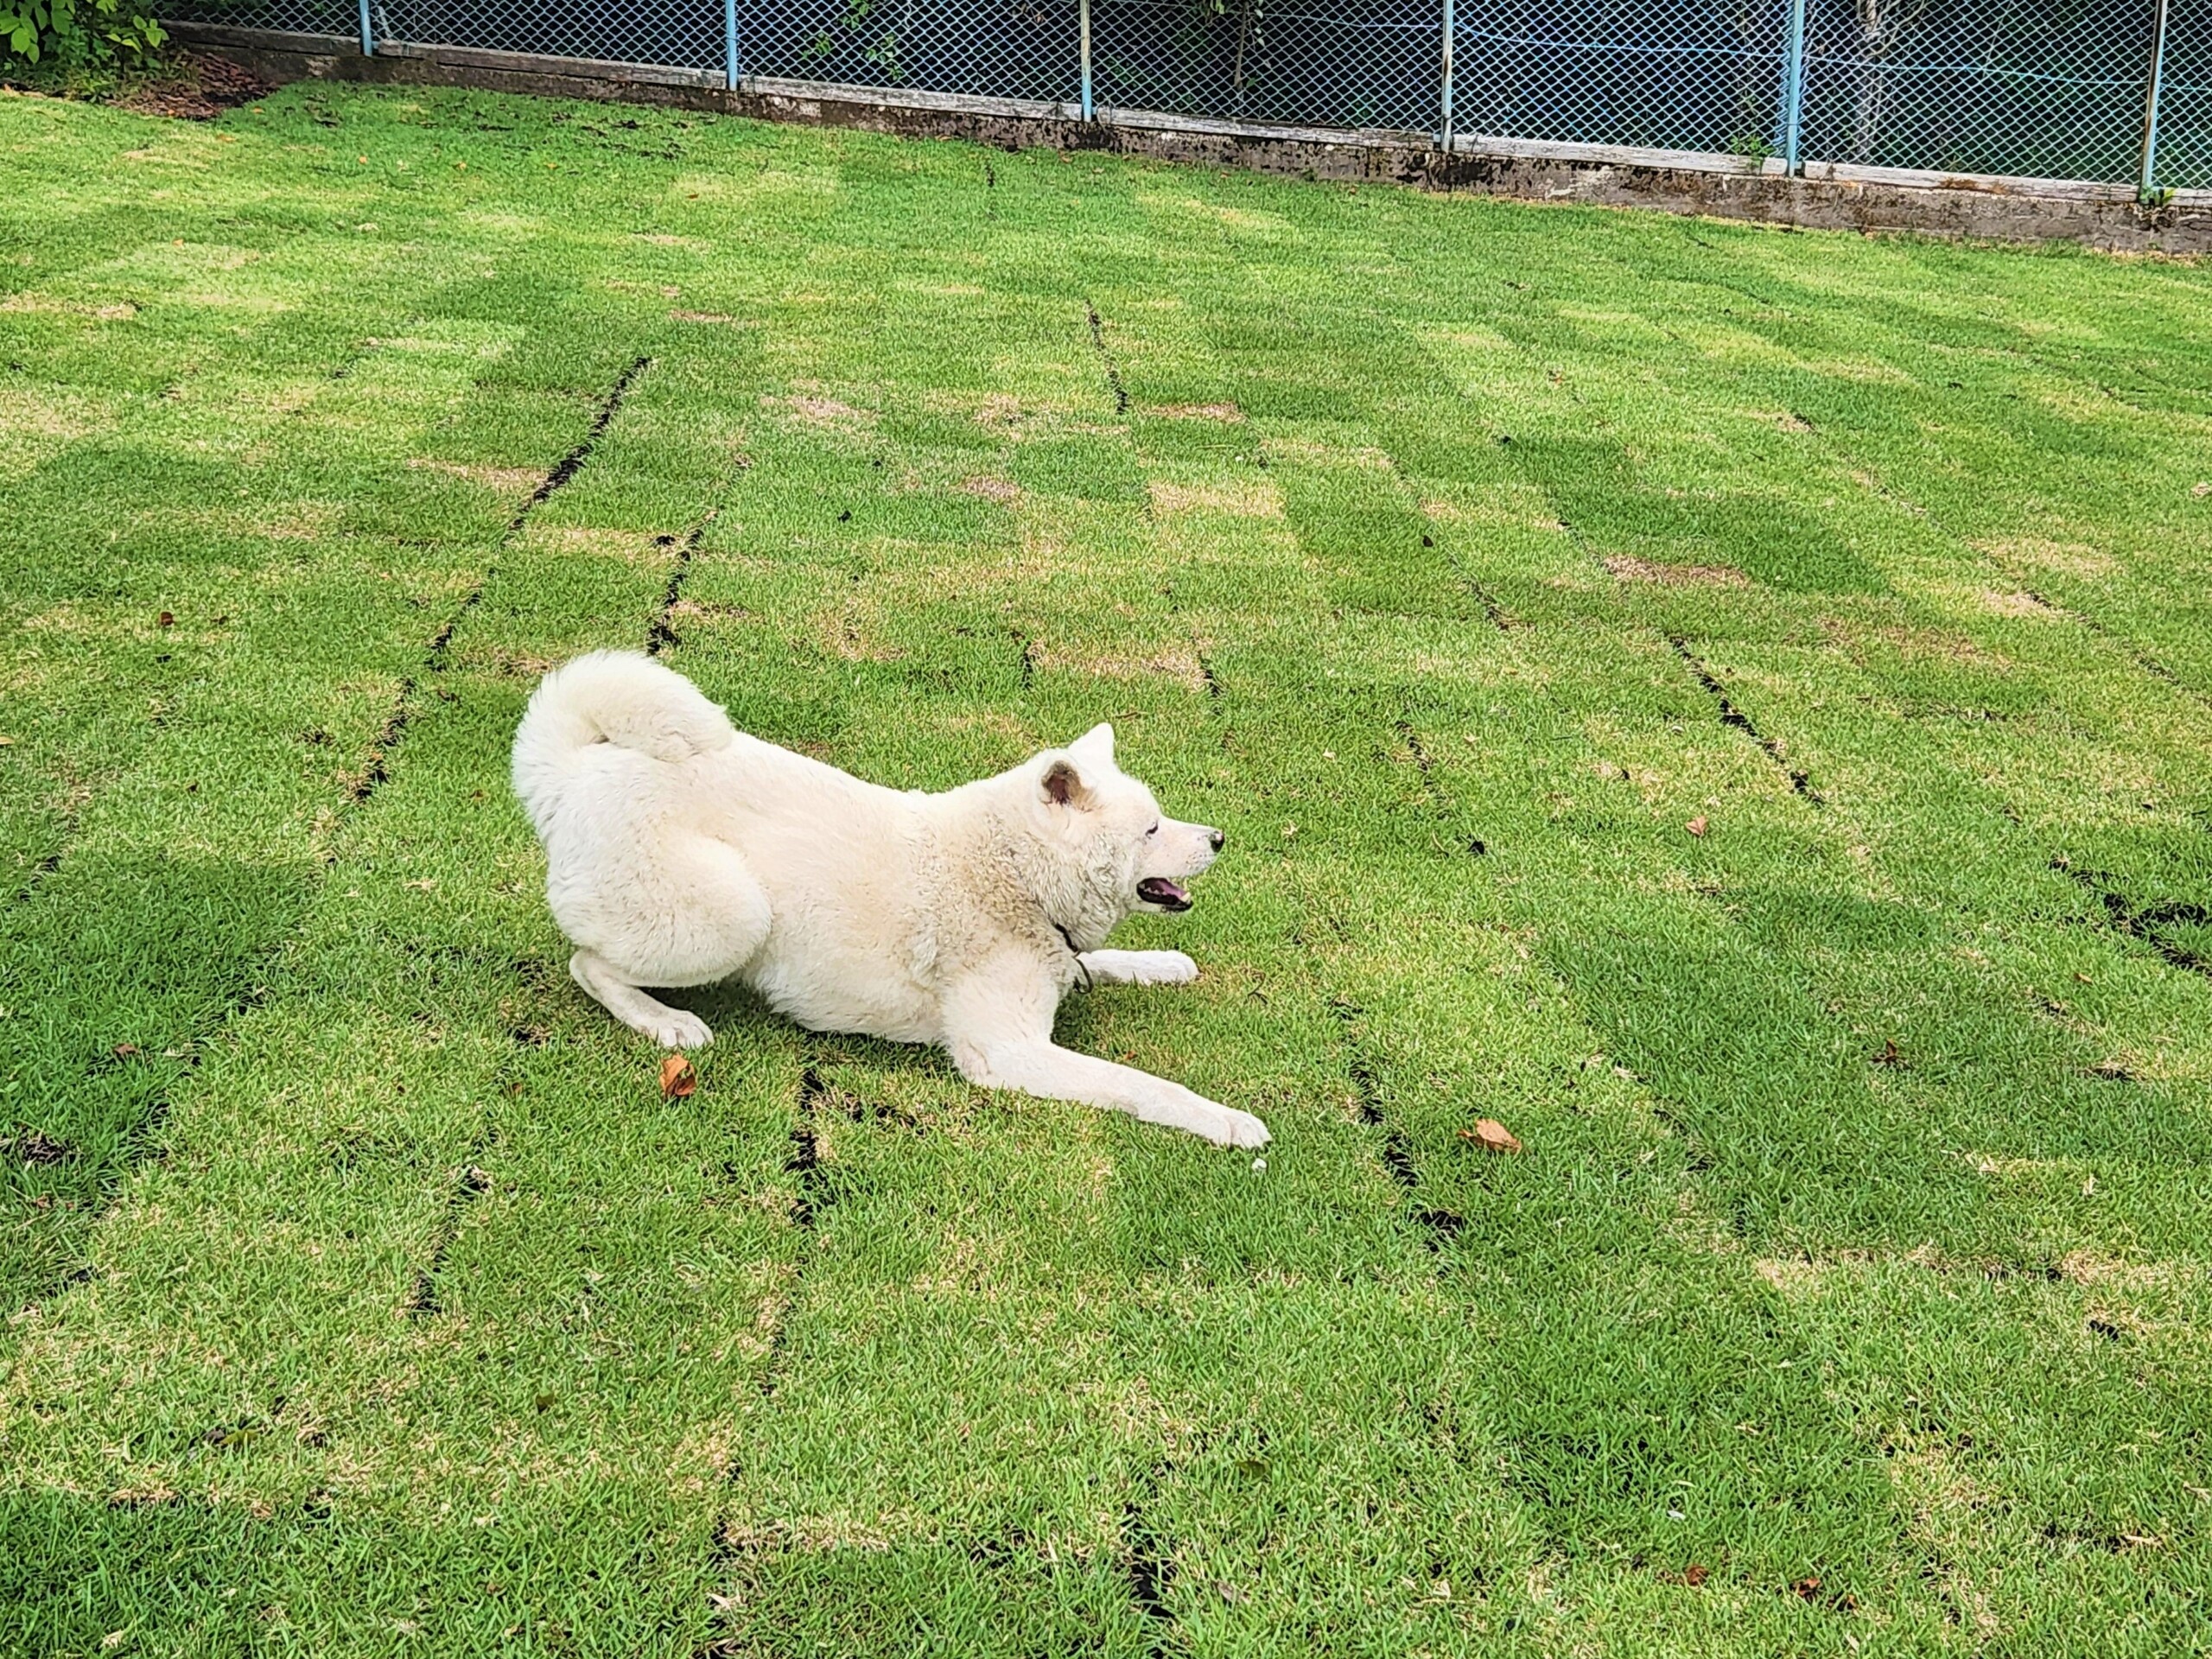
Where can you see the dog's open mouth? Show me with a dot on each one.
(1159, 890)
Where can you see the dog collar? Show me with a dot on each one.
(1068, 940)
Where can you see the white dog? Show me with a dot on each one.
(680, 851)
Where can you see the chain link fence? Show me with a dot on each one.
(2110, 90)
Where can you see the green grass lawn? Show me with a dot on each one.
(1733, 705)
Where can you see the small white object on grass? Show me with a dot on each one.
(1259, 1165)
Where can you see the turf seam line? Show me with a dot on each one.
(1439, 1226)
(72, 819)
(1422, 758)
(2149, 664)
(808, 1200)
(1483, 595)
(660, 634)
(136, 1143)
(572, 463)
(805, 1159)
(1145, 1568)
(1732, 716)
(1208, 678)
(375, 771)
(1491, 609)
(2142, 923)
(469, 1184)
(46, 867)
(1106, 360)
(1028, 671)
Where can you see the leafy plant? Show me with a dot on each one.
(1754, 147)
(882, 51)
(85, 31)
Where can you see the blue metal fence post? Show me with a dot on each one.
(1083, 14)
(368, 33)
(2146, 185)
(1443, 113)
(1793, 89)
(730, 44)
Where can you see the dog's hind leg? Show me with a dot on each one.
(692, 916)
(1138, 967)
(669, 1028)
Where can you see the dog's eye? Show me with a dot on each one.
(1154, 830)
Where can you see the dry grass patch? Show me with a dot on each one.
(1628, 569)
(2015, 604)
(1004, 491)
(109, 311)
(1260, 497)
(815, 409)
(2066, 558)
(1174, 661)
(506, 480)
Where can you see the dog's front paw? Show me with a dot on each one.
(1166, 968)
(1243, 1129)
(1227, 1127)
(677, 1029)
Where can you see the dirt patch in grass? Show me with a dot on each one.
(507, 481)
(2068, 558)
(48, 417)
(812, 408)
(1256, 499)
(1675, 575)
(198, 88)
(1178, 663)
(2005, 604)
(115, 311)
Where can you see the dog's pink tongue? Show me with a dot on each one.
(1161, 891)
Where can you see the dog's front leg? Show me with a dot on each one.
(1138, 967)
(1000, 1036)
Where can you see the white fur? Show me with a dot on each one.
(680, 851)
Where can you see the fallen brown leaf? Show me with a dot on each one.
(1696, 1573)
(1696, 825)
(678, 1079)
(1889, 1056)
(1492, 1135)
(166, 620)
(125, 1051)
(1808, 1587)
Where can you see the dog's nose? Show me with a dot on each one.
(1218, 839)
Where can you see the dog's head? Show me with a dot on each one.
(1129, 857)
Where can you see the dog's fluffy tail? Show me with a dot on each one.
(622, 697)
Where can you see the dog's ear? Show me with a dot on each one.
(1095, 746)
(1064, 785)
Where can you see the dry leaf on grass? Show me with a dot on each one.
(166, 619)
(1492, 1135)
(1695, 1573)
(678, 1079)
(1696, 825)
